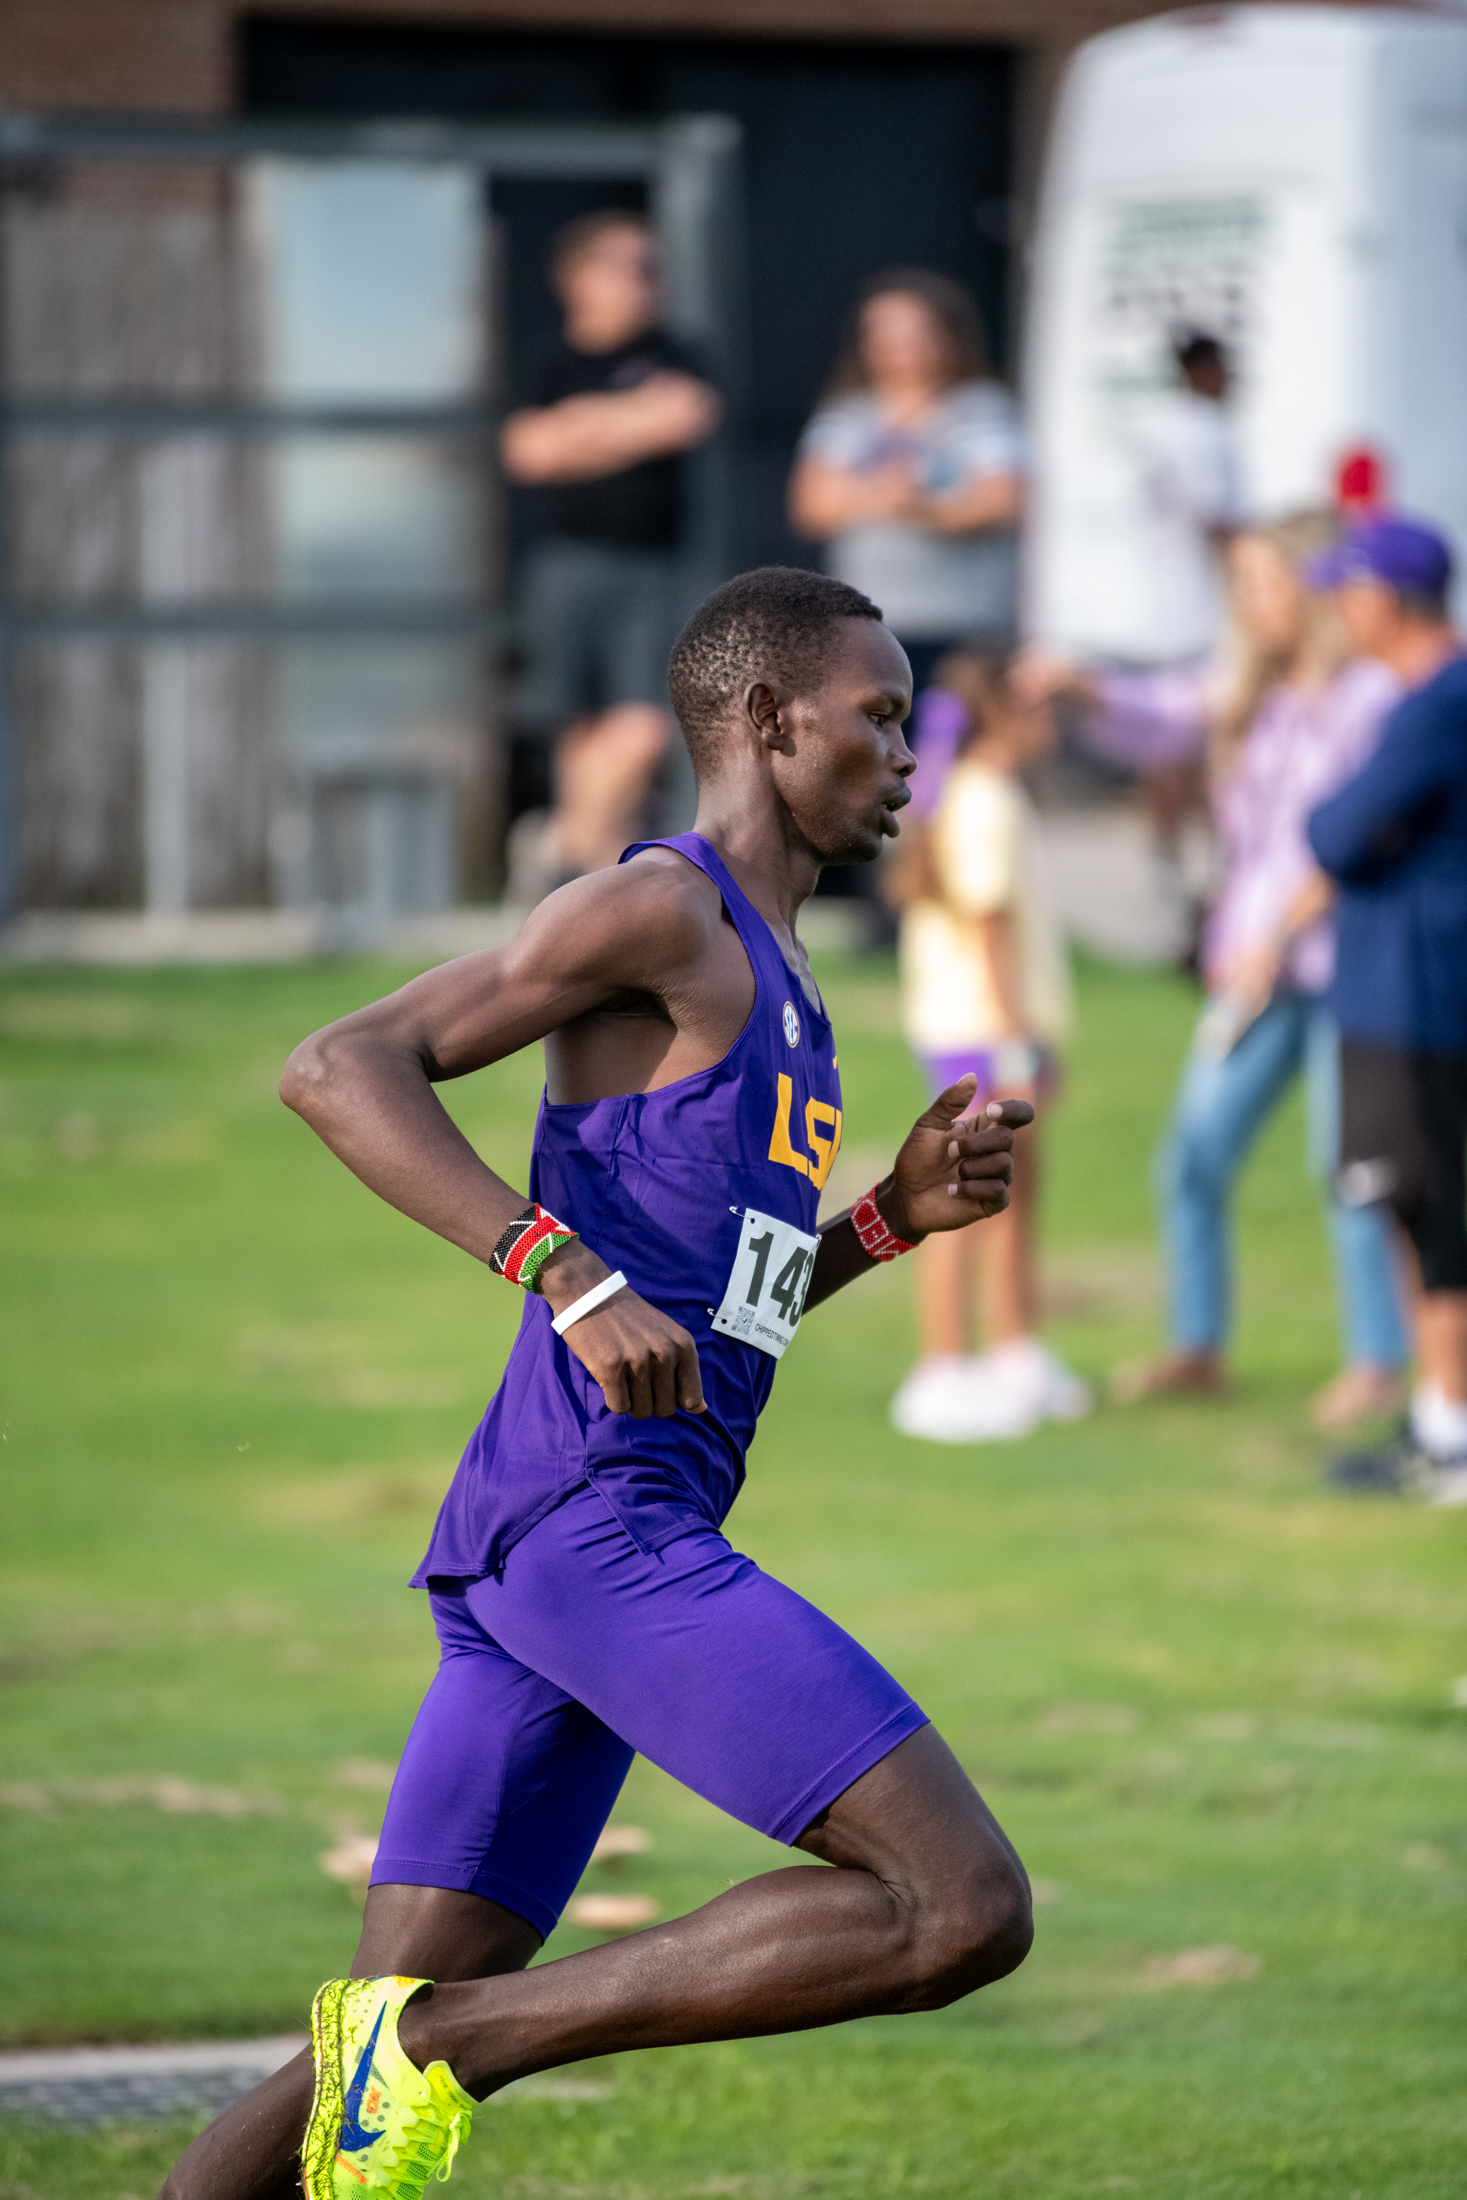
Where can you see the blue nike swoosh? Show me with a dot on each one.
(353, 2139)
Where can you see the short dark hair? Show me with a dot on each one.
(1193, 348)
(778, 622)
(581, 235)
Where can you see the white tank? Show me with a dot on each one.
(1292, 180)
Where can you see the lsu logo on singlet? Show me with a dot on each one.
(821, 1127)
(822, 1120)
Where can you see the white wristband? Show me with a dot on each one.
(588, 1302)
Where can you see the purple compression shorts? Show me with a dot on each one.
(584, 1650)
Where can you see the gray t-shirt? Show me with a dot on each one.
(928, 585)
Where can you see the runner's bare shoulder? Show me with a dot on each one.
(650, 918)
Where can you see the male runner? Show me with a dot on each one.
(587, 1604)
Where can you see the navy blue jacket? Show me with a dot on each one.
(1395, 837)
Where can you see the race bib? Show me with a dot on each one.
(767, 1283)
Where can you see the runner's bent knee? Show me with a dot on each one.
(975, 1928)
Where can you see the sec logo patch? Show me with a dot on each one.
(791, 1025)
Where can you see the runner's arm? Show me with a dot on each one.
(955, 1168)
(365, 1086)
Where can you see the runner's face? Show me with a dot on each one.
(846, 778)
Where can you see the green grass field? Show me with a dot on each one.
(1212, 1705)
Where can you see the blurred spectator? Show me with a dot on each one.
(1192, 492)
(1191, 504)
(1287, 716)
(911, 473)
(985, 989)
(611, 409)
(1396, 840)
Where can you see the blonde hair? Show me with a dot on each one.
(1253, 669)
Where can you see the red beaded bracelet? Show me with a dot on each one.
(878, 1240)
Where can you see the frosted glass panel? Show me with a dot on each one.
(371, 290)
(370, 276)
(371, 273)
(383, 518)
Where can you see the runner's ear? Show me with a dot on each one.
(762, 706)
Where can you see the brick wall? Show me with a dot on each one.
(177, 56)
(150, 56)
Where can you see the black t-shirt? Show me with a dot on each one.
(640, 508)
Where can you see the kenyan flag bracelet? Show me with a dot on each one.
(527, 1244)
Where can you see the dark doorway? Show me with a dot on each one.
(856, 157)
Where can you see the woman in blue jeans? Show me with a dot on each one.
(1286, 720)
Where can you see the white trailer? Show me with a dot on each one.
(1292, 180)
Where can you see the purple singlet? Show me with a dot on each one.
(656, 1183)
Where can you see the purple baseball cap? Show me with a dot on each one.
(1401, 553)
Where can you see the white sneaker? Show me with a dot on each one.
(989, 1412)
(927, 1397)
(1031, 1371)
(1449, 1483)
(953, 1400)
(1439, 1424)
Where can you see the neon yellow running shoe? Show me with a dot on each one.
(378, 2124)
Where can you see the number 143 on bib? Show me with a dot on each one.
(766, 1288)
